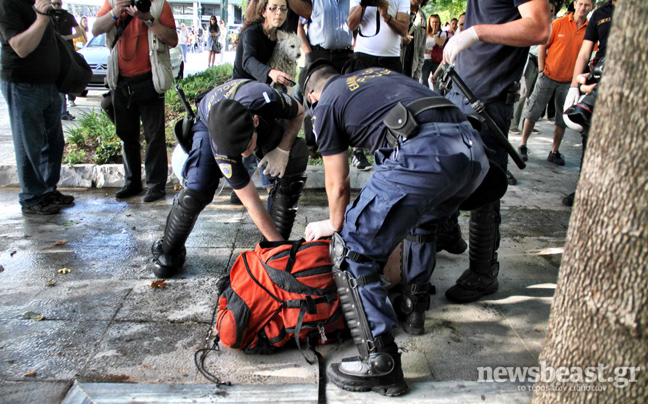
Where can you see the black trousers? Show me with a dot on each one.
(364, 61)
(134, 99)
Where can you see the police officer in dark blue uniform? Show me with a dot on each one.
(491, 52)
(237, 119)
(426, 164)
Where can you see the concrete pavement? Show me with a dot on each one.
(106, 336)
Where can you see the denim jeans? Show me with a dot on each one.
(35, 114)
(251, 163)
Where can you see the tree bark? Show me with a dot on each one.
(600, 309)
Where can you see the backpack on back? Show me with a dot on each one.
(279, 291)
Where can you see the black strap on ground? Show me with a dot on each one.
(321, 364)
(199, 359)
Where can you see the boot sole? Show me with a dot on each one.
(469, 296)
(358, 384)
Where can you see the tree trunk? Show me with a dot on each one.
(599, 316)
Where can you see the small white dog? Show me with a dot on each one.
(284, 58)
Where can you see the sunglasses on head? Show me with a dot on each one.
(57, 4)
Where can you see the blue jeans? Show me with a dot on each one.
(251, 163)
(184, 52)
(35, 114)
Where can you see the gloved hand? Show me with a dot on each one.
(276, 162)
(523, 87)
(572, 97)
(461, 41)
(317, 230)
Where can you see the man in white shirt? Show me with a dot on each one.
(380, 29)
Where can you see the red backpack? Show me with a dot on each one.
(276, 292)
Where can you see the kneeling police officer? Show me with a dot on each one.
(237, 119)
(428, 160)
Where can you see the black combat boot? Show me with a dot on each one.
(283, 202)
(480, 279)
(381, 372)
(169, 252)
(449, 237)
(411, 306)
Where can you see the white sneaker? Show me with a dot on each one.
(71, 104)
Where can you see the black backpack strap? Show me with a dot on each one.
(321, 379)
(293, 255)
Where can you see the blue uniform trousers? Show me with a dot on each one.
(201, 173)
(412, 187)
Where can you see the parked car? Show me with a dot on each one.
(96, 54)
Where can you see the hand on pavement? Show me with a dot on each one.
(276, 162)
(317, 230)
(461, 41)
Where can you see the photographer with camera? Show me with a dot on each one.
(30, 69)
(139, 73)
(597, 32)
(380, 25)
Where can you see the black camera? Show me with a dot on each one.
(596, 69)
(581, 112)
(369, 3)
(143, 6)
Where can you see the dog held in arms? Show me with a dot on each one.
(284, 58)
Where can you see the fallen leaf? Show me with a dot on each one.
(64, 270)
(128, 215)
(160, 283)
(12, 253)
(30, 374)
(50, 283)
(538, 329)
(177, 187)
(1, 268)
(70, 223)
(133, 228)
(10, 361)
(30, 315)
(60, 243)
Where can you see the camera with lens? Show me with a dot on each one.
(581, 112)
(143, 6)
(369, 3)
(596, 69)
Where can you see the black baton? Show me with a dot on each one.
(449, 73)
(183, 99)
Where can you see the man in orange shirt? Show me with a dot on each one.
(137, 87)
(556, 62)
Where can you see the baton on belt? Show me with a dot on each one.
(448, 74)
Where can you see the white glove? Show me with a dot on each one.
(317, 230)
(276, 161)
(572, 97)
(461, 41)
(523, 87)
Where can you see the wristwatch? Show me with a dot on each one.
(149, 23)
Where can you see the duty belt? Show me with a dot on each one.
(400, 120)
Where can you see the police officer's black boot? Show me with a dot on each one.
(480, 279)
(283, 202)
(449, 237)
(411, 306)
(169, 252)
(378, 368)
